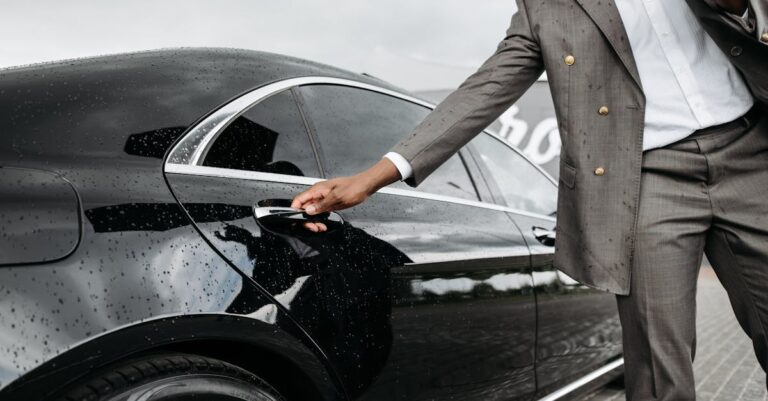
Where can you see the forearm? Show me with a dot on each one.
(381, 174)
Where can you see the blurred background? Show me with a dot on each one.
(427, 47)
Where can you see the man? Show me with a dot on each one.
(665, 156)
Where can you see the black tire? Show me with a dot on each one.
(173, 377)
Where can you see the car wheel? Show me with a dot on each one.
(173, 377)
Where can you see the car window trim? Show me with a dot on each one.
(212, 125)
(218, 172)
(491, 188)
(309, 129)
(496, 193)
(521, 154)
(472, 180)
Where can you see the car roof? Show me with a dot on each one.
(93, 106)
(267, 66)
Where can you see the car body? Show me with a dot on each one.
(143, 211)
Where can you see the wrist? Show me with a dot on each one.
(378, 176)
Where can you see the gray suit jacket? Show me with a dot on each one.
(597, 213)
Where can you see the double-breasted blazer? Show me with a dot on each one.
(599, 105)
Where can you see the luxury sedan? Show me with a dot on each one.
(148, 250)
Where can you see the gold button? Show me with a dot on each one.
(569, 60)
(599, 171)
(603, 110)
(764, 37)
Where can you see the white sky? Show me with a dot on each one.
(417, 44)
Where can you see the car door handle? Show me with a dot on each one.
(545, 236)
(283, 212)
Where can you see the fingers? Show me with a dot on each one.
(315, 227)
(315, 192)
(307, 196)
(322, 199)
(327, 196)
(323, 205)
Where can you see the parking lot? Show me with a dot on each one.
(725, 367)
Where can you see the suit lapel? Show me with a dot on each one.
(607, 18)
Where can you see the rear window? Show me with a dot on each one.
(270, 137)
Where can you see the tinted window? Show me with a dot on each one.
(450, 179)
(270, 137)
(522, 185)
(356, 127)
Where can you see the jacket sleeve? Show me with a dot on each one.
(477, 102)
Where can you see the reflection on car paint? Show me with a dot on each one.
(408, 299)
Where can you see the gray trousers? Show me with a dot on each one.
(707, 193)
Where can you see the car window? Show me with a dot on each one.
(356, 127)
(450, 179)
(522, 185)
(269, 137)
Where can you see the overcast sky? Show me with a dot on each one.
(417, 44)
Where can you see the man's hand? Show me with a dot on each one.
(344, 192)
(334, 194)
(733, 6)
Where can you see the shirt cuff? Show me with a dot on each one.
(403, 166)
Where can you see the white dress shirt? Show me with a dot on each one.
(688, 82)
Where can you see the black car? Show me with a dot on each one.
(148, 250)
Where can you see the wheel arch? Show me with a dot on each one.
(277, 370)
(261, 348)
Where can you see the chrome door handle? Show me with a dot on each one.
(264, 211)
(293, 213)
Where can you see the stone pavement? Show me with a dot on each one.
(725, 367)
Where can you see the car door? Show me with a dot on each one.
(463, 313)
(578, 327)
(414, 294)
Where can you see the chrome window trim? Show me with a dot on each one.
(575, 385)
(521, 154)
(212, 125)
(216, 122)
(205, 171)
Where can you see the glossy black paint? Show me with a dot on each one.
(98, 123)
(40, 216)
(577, 327)
(408, 299)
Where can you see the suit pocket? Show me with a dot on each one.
(567, 174)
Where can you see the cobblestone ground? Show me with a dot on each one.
(725, 367)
